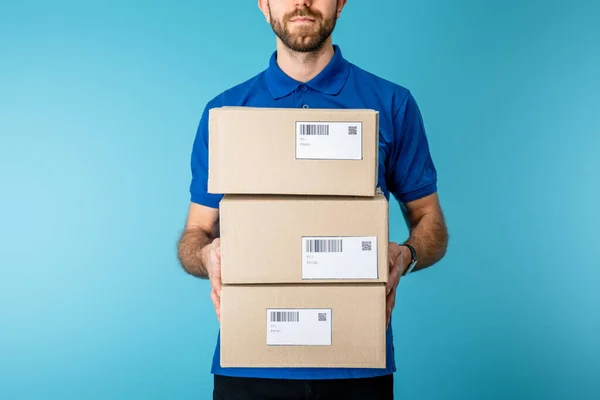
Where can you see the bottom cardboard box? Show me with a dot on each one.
(303, 325)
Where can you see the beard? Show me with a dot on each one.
(305, 39)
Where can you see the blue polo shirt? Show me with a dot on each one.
(406, 169)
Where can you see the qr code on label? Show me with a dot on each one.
(322, 317)
(366, 246)
(352, 130)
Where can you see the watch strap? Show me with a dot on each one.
(413, 262)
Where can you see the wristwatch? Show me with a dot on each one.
(413, 262)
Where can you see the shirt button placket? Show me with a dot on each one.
(302, 96)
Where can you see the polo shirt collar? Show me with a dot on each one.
(329, 81)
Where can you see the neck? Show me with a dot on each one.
(303, 66)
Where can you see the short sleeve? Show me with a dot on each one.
(199, 165)
(412, 173)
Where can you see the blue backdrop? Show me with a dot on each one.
(99, 104)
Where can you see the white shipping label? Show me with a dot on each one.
(329, 140)
(298, 327)
(349, 257)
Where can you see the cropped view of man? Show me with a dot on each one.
(308, 71)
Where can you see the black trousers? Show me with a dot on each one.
(233, 388)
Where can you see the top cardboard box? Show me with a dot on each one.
(293, 151)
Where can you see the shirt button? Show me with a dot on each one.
(305, 106)
(303, 88)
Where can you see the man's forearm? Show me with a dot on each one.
(190, 251)
(429, 237)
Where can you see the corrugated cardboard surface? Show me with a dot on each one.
(261, 236)
(253, 151)
(357, 325)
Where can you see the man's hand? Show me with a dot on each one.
(399, 258)
(211, 256)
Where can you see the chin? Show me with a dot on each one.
(307, 48)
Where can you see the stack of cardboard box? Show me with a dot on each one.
(304, 237)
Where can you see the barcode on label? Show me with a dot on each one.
(324, 246)
(322, 317)
(285, 316)
(366, 246)
(314, 129)
(352, 130)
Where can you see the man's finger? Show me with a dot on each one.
(395, 274)
(390, 298)
(216, 301)
(215, 282)
(215, 278)
(393, 279)
(390, 302)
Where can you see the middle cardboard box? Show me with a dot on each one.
(277, 239)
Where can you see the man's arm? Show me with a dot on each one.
(201, 229)
(199, 249)
(428, 233)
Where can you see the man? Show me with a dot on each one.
(307, 70)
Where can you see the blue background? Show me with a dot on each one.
(99, 103)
